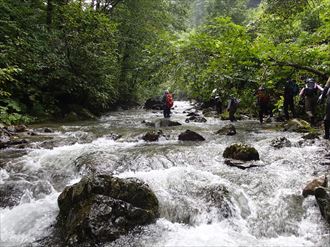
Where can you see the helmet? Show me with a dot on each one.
(310, 80)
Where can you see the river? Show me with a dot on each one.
(262, 206)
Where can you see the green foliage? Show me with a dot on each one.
(10, 113)
(97, 57)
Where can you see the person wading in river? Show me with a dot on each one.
(326, 120)
(290, 91)
(167, 104)
(263, 103)
(310, 95)
(232, 108)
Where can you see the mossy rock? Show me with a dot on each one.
(241, 152)
(298, 125)
(229, 130)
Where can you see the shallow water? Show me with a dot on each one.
(203, 202)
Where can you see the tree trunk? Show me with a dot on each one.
(49, 14)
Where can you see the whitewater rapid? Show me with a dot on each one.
(203, 202)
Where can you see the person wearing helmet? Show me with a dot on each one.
(310, 94)
(326, 120)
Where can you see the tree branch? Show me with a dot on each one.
(301, 67)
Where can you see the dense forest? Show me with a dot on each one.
(60, 57)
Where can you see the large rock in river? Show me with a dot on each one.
(189, 135)
(312, 185)
(241, 152)
(323, 200)
(101, 208)
(154, 104)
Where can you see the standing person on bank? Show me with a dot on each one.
(167, 104)
(310, 95)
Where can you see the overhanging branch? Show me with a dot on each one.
(301, 67)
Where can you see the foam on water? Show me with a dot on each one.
(260, 206)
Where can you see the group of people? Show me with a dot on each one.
(312, 94)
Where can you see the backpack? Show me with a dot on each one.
(310, 89)
(169, 100)
(262, 97)
(294, 88)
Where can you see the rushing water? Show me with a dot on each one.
(203, 202)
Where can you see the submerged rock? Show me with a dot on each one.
(101, 208)
(164, 122)
(229, 130)
(196, 119)
(239, 164)
(322, 197)
(189, 135)
(280, 142)
(241, 152)
(312, 185)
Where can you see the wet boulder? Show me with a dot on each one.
(196, 119)
(297, 125)
(20, 128)
(4, 141)
(151, 136)
(280, 142)
(209, 112)
(312, 185)
(193, 114)
(47, 130)
(322, 197)
(113, 136)
(229, 130)
(101, 208)
(241, 152)
(189, 135)
(153, 104)
(311, 136)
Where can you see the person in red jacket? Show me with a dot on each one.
(167, 104)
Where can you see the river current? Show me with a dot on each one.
(203, 202)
